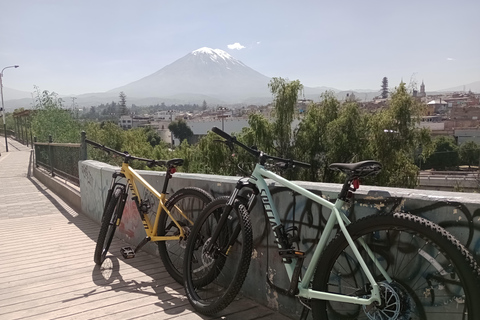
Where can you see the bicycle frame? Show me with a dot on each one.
(132, 178)
(336, 216)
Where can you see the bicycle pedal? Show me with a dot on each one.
(291, 253)
(128, 252)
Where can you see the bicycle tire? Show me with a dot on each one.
(191, 201)
(213, 281)
(434, 276)
(109, 224)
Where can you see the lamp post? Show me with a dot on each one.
(222, 109)
(3, 107)
(170, 112)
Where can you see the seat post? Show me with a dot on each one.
(345, 189)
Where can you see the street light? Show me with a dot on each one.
(3, 107)
(222, 109)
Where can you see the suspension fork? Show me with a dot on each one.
(113, 184)
(226, 213)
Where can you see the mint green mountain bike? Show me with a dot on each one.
(383, 266)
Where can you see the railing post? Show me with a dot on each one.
(35, 150)
(31, 136)
(26, 130)
(83, 146)
(50, 154)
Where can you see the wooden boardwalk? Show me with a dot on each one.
(47, 269)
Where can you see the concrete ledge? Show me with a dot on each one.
(69, 193)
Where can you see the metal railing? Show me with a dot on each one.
(10, 133)
(60, 159)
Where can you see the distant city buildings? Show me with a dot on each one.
(453, 114)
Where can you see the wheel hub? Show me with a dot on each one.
(207, 258)
(395, 303)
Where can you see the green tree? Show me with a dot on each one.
(123, 104)
(285, 97)
(469, 153)
(180, 130)
(214, 156)
(51, 118)
(331, 132)
(152, 136)
(310, 140)
(394, 139)
(445, 155)
(384, 91)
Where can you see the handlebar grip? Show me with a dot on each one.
(221, 133)
(302, 164)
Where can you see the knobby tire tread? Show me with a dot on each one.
(244, 261)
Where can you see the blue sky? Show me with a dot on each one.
(80, 46)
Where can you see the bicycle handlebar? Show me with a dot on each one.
(151, 162)
(257, 153)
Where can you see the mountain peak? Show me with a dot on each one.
(213, 53)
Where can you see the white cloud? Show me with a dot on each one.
(236, 46)
(450, 59)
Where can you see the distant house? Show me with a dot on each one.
(439, 106)
(434, 123)
(126, 122)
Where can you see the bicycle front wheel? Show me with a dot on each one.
(434, 276)
(185, 206)
(213, 278)
(109, 224)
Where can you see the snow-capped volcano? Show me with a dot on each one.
(205, 71)
(216, 55)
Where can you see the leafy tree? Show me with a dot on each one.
(331, 132)
(214, 156)
(285, 97)
(123, 104)
(310, 143)
(394, 139)
(445, 155)
(180, 130)
(469, 153)
(51, 118)
(152, 136)
(384, 91)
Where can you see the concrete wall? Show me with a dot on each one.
(457, 212)
(68, 192)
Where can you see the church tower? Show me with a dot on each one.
(422, 90)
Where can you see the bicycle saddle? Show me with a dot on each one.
(358, 169)
(175, 162)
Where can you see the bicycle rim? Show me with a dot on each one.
(213, 280)
(434, 277)
(107, 230)
(185, 206)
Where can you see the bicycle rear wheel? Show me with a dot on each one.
(189, 201)
(109, 224)
(212, 280)
(434, 276)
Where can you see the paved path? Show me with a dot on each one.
(47, 269)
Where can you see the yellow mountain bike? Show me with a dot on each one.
(167, 222)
